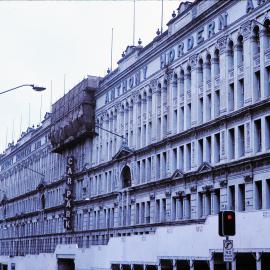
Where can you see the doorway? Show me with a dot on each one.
(65, 264)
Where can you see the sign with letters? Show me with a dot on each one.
(69, 193)
(228, 250)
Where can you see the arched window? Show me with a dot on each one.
(256, 39)
(230, 55)
(126, 177)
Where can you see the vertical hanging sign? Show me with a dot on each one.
(69, 194)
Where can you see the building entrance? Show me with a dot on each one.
(65, 264)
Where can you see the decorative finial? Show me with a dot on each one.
(173, 14)
(108, 70)
(139, 41)
(158, 32)
(123, 54)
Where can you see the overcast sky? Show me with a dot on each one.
(46, 41)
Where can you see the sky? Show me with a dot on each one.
(57, 43)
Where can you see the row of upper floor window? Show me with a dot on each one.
(182, 206)
(231, 144)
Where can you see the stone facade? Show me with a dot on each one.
(192, 108)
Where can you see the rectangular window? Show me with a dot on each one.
(231, 197)
(137, 213)
(157, 210)
(149, 133)
(158, 128)
(147, 214)
(206, 203)
(217, 148)
(164, 164)
(165, 128)
(180, 208)
(208, 149)
(241, 141)
(200, 204)
(241, 197)
(139, 138)
(267, 193)
(163, 212)
(200, 152)
(142, 213)
(200, 110)
(173, 208)
(174, 121)
(216, 202)
(217, 103)
(188, 116)
(181, 157)
(158, 167)
(143, 171)
(257, 86)
(267, 132)
(174, 159)
(188, 157)
(144, 136)
(258, 195)
(148, 169)
(241, 93)
(208, 107)
(257, 135)
(138, 172)
(181, 118)
(187, 207)
(231, 144)
(231, 97)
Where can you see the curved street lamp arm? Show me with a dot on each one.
(16, 88)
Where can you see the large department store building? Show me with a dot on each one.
(129, 171)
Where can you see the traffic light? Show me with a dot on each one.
(226, 223)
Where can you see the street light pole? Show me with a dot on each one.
(34, 87)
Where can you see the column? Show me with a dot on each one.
(143, 117)
(214, 63)
(167, 213)
(163, 109)
(152, 208)
(191, 264)
(223, 55)
(248, 63)
(154, 112)
(130, 127)
(149, 118)
(194, 90)
(258, 261)
(186, 78)
(264, 77)
(169, 104)
(174, 264)
(180, 96)
(206, 70)
(135, 123)
(211, 262)
(133, 212)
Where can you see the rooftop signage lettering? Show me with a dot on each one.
(127, 84)
(202, 34)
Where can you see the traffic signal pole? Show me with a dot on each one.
(227, 263)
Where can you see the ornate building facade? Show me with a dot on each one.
(130, 171)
